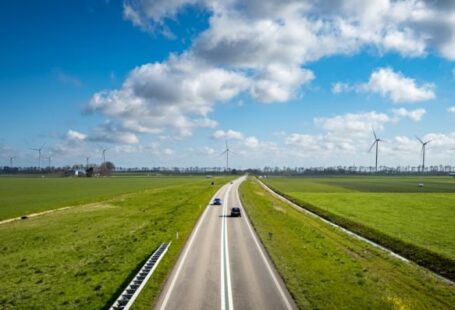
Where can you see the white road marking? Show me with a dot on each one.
(225, 266)
(266, 262)
(185, 254)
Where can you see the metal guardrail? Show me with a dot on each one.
(129, 295)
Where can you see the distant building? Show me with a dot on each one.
(74, 173)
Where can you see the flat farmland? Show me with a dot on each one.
(418, 222)
(21, 195)
(324, 268)
(82, 257)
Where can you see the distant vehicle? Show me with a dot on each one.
(217, 202)
(421, 185)
(235, 212)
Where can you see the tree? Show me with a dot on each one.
(107, 168)
(89, 172)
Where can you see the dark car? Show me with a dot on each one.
(235, 212)
(217, 202)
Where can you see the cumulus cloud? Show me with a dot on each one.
(451, 109)
(177, 94)
(110, 132)
(229, 135)
(262, 48)
(75, 135)
(340, 87)
(392, 85)
(350, 133)
(353, 124)
(397, 87)
(415, 115)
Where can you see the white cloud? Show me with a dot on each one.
(110, 132)
(349, 133)
(177, 94)
(392, 85)
(451, 109)
(339, 87)
(75, 135)
(353, 124)
(415, 115)
(310, 29)
(262, 48)
(229, 135)
(397, 87)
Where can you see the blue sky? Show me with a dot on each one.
(168, 82)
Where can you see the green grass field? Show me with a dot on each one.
(324, 268)
(21, 196)
(84, 256)
(415, 221)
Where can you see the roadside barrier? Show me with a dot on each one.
(129, 295)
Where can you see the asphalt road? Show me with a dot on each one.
(223, 265)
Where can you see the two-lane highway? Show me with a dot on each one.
(223, 265)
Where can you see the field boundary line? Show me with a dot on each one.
(349, 232)
(36, 214)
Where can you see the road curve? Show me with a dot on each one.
(223, 265)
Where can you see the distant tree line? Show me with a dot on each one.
(109, 169)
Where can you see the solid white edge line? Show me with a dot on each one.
(230, 299)
(223, 296)
(185, 254)
(266, 262)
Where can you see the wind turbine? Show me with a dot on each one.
(424, 144)
(11, 161)
(87, 158)
(226, 151)
(376, 142)
(103, 149)
(49, 161)
(39, 154)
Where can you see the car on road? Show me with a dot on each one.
(217, 202)
(235, 212)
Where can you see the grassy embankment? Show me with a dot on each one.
(418, 223)
(84, 256)
(20, 195)
(324, 268)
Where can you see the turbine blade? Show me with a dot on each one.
(419, 139)
(222, 153)
(371, 147)
(374, 133)
(428, 142)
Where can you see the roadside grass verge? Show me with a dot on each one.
(418, 226)
(324, 268)
(84, 256)
(21, 196)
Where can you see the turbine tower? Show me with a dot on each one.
(424, 144)
(49, 161)
(103, 150)
(376, 143)
(39, 154)
(11, 161)
(226, 151)
(87, 158)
